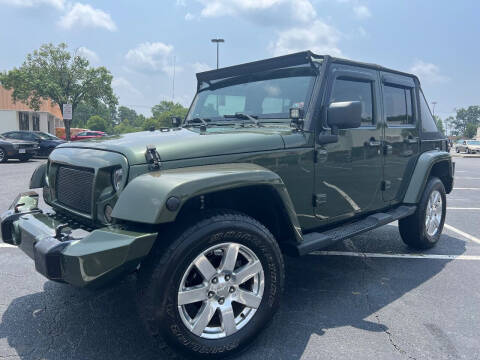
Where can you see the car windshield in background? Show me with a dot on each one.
(45, 136)
(263, 95)
(473, 142)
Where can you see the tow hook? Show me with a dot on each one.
(58, 231)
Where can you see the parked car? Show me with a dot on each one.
(282, 156)
(46, 142)
(16, 149)
(468, 146)
(90, 134)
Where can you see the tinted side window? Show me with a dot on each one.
(428, 123)
(353, 90)
(397, 102)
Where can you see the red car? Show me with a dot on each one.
(89, 134)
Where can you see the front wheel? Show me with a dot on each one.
(3, 155)
(468, 151)
(457, 150)
(422, 229)
(214, 288)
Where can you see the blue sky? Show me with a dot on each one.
(138, 40)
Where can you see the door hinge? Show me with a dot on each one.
(386, 185)
(315, 156)
(318, 199)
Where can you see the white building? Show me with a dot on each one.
(18, 116)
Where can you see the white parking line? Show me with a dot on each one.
(466, 188)
(3, 245)
(460, 232)
(466, 178)
(461, 208)
(396, 256)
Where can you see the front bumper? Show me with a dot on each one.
(68, 254)
(20, 152)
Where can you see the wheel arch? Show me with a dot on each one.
(431, 163)
(249, 188)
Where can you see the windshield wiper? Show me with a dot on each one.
(197, 122)
(243, 116)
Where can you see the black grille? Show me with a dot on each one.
(74, 188)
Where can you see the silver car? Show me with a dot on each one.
(468, 146)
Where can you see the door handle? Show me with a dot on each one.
(373, 143)
(411, 140)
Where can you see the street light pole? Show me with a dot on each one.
(433, 110)
(217, 41)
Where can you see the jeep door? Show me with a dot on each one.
(401, 138)
(348, 172)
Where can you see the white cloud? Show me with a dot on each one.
(189, 16)
(200, 67)
(428, 72)
(90, 55)
(150, 57)
(319, 37)
(266, 12)
(362, 12)
(124, 86)
(84, 15)
(59, 4)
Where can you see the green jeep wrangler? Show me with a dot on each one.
(281, 156)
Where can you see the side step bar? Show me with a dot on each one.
(315, 241)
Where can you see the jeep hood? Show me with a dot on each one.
(186, 143)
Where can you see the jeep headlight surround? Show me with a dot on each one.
(117, 178)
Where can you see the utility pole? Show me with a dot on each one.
(173, 81)
(218, 41)
(433, 110)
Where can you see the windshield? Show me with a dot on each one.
(267, 95)
(473, 142)
(45, 136)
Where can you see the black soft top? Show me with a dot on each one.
(296, 59)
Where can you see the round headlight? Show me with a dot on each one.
(117, 179)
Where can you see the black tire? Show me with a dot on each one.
(3, 155)
(457, 150)
(161, 274)
(24, 158)
(413, 229)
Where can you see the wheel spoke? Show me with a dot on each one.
(205, 314)
(229, 258)
(248, 298)
(192, 295)
(205, 267)
(228, 319)
(247, 271)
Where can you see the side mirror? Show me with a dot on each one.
(176, 122)
(344, 115)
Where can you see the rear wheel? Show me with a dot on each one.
(214, 288)
(457, 150)
(3, 155)
(422, 229)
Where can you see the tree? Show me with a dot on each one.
(85, 111)
(470, 115)
(470, 130)
(164, 111)
(439, 123)
(124, 112)
(52, 72)
(125, 127)
(97, 123)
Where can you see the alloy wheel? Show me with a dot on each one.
(221, 290)
(434, 213)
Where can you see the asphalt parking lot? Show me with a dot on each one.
(367, 297)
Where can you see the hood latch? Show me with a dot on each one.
(152, 157)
